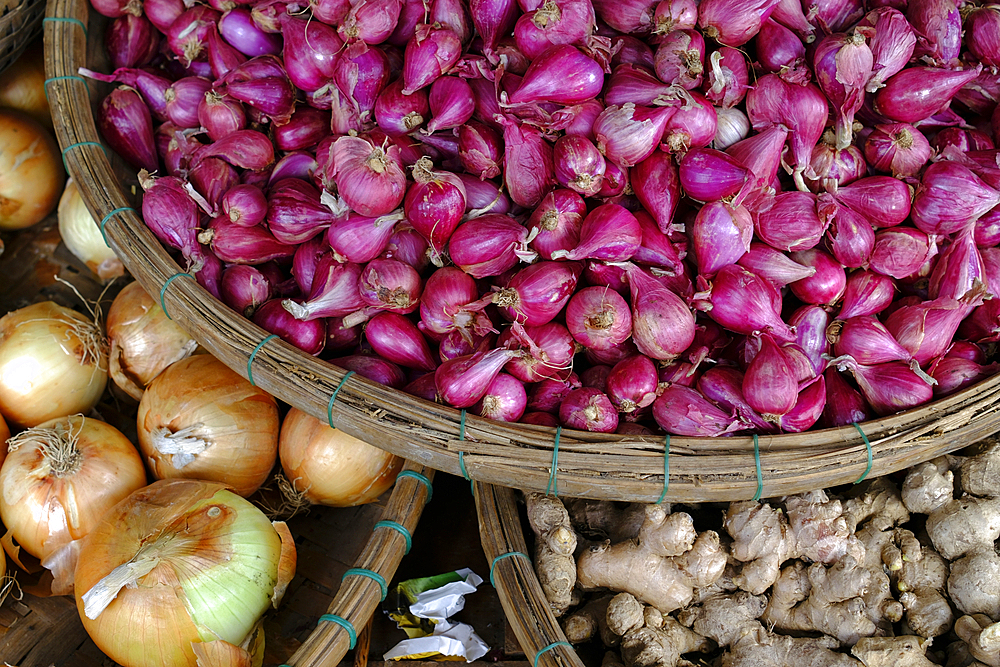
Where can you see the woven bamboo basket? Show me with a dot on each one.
(343, 553)
(20, 23)
(571, 463)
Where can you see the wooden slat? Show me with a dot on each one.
(358, 597)
(521, 595)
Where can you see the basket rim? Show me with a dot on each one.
(561, 461)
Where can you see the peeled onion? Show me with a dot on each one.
(179, 573)
(329, 467)
(58, 480)
(53, 363)
(200, 420)
(143, 340)
(82, 236)
(31, 173)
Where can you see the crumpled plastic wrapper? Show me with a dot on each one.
(450, 641)
(436, 599)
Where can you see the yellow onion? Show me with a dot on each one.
(31, 173)
(22, 85)
(82, 235)
(143, 340)
(57, 482)
(200, 420)
(329, 467)
(181, 569)
(53, 363)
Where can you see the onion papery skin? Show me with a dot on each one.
(80, 233)
(235, 422)
(505, 399)
(53, 363)
(31, 177)
(143, 340)
(684, 411)
(58, 480)
(329, 467)
(207, 546)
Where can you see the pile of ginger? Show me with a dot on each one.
(873, 575)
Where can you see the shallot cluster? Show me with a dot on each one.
(634, 216)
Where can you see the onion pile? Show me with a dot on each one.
(583, 213)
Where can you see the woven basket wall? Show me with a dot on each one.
(20, 23)
(535, 458)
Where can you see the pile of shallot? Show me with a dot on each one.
(614, 215)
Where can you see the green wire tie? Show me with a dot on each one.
(549, 648)
(81, 143)
(374, 576)
(553, 486)
(108, 217)
(333, 398)
(45, 84)
(163, 291)
(868, 446)
(60, 19)
(344, 623)
(420, 478)
(756, 460)
(254, 354)
(461, 455)
(501, 557)
(399, 528)
(666, 469)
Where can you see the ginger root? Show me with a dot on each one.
(731, 621)
(928, 486)
(907, 651)
(964, 525)
(625, 613)
(980, 474)
(982, 638)
(554, 546)
(879, 503)
(662, 568)
(827, 600)
(763, 537)
(588, 622)
(649, 638)
(921, 581)
(974, 583)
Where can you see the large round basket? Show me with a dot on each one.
(567, 462)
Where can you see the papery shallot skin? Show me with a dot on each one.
(843, 66)
(744, 303)
(588, 409)
(733, 23)
(684, 411)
